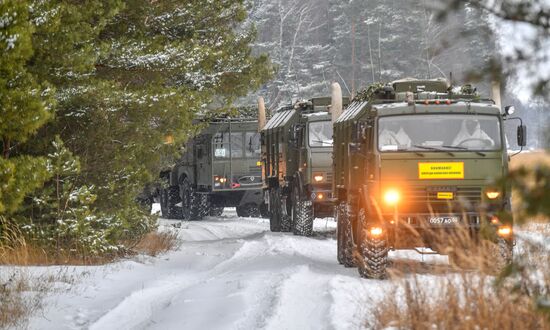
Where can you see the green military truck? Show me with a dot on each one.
(414, 161)
(220, 168)
(297, 165)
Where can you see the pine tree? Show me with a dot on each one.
(135, 73)
(25, 105)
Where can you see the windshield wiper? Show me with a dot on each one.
(433, 148)
(464, 148)
(415, 151)
(323, 142)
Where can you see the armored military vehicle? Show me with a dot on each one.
(414, 162)
(297, 164)
(220, 168)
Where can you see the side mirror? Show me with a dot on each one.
(522, 135)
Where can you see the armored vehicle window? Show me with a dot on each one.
(439, 132)
(320, 134)
(222, 147)
(252, 145)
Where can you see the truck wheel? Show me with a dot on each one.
(503, 254)
(302, 215)
(264, 211)
(286, 220)
(202, 206)
(275, 209)
(344, 236)
(373, 252)
(169, 198)
(191, 201)
(216, 211)
(248, 210)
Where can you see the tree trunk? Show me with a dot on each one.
(6, 151)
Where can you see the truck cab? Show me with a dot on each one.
(297, 165)
(415, 162)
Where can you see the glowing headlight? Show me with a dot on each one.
(318, 177)
(391, 197)
(492, 194)
(504, 231)
(375, 231)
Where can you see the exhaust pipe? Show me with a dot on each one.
(261, 113)
(495, 91)
(336, 102)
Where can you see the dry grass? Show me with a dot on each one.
(16, 250)
(22, 295)
(468, 294)
(527, 160)
(466, 302)
(155, 243)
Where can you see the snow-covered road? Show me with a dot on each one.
(229, 273)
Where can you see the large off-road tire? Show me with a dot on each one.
(192, 203)
(169, 198)
(503, 253)
(264, 211)
(373, 251)
(302, 214)
(248, 210)
(344, 236)
(286, 221)
(275, 209)
(216, 211)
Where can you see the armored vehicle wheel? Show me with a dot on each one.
(302, 214)
(502, 254)
(275, 209)
(264, 211)
(248, 210)
(203, 205)
(373, 251)
(216, 211)
(286, 221)
(169, 198)
(344, 236)
(191, 201)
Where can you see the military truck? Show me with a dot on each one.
(297, 164)
(415, 162)
(219, 168)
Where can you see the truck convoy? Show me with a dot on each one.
(297, 164)
(414, 161)
(220, 168)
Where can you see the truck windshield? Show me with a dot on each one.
(320, 134)
(252, 145)
(228, 145)
(439, 132)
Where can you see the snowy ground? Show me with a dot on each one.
(229, 273)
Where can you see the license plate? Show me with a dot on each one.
(444, 221)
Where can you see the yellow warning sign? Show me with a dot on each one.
(258, 163)
(454, 170)
(445, 195)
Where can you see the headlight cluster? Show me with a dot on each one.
(492, 193)
(392, 197)
(319, 177)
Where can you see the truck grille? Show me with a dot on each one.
(424, 194)
(329, 177)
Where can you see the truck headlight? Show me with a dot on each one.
(492, 193)
(318, 177)
(504, 231)
(392, 197)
